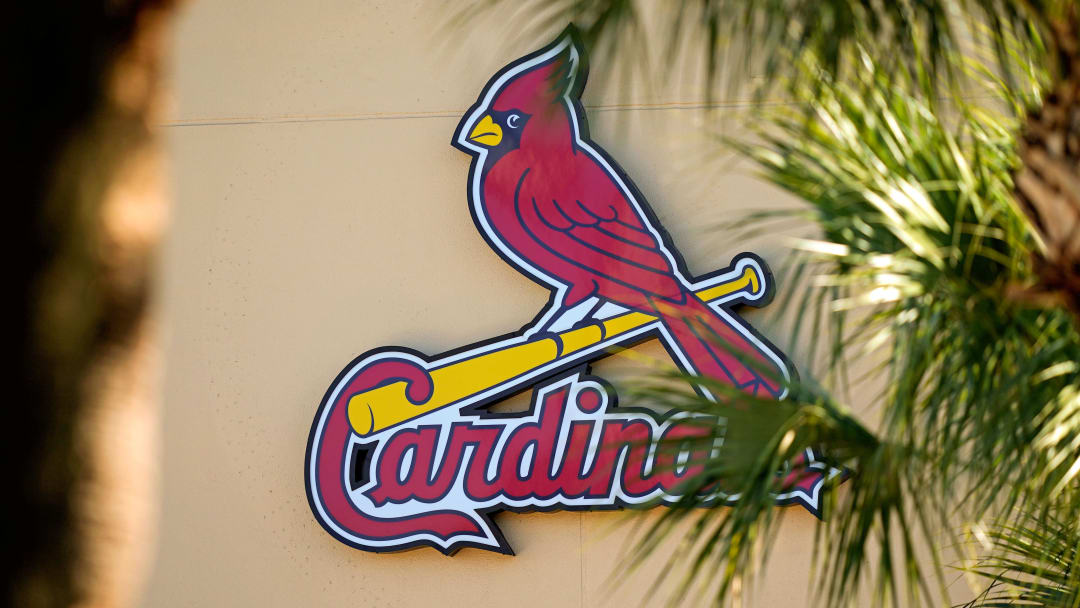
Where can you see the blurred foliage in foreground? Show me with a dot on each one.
(935, 145)
(85, 205)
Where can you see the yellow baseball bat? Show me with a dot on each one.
(385, 406)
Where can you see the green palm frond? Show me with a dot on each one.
(917, 253)
(1033, 561)
(919, 232)
(756, 37)
(721, 548)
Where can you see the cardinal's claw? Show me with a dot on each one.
(572, 317)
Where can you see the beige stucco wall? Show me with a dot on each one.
(319, 212)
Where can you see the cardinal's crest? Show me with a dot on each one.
(402, 452)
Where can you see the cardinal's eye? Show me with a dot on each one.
(513, 121)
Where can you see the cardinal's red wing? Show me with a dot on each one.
(590, 224)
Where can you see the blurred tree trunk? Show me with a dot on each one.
(1048, 182)
(85, 206)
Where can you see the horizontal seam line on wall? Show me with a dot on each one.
(286, 119)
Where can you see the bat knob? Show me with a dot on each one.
(751, 275)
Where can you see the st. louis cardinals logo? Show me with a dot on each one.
(402, 453)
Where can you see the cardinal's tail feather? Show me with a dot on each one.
(711, 347)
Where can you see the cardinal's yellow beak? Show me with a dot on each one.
(486, 132)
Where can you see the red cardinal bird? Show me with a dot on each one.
(556, 207)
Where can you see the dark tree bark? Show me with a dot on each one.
(84, 207)
(1048, 181)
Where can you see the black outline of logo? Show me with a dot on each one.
(359, 453)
